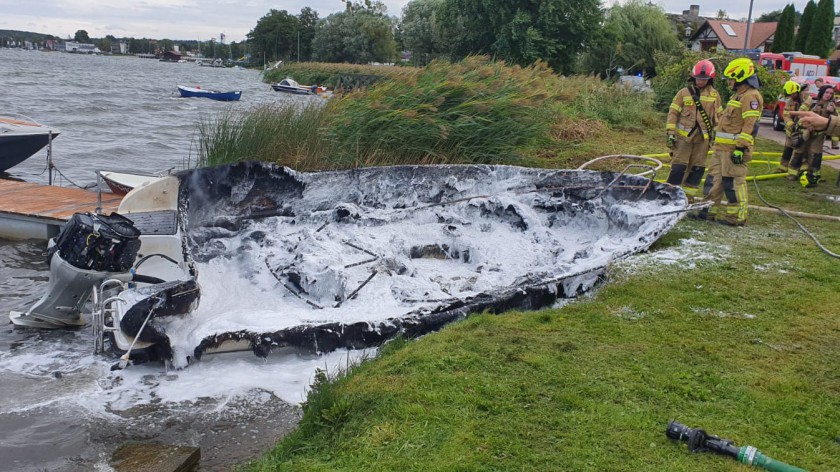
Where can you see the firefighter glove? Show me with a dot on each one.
(738, 156)
(672, 140)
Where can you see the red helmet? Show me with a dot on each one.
(703, 70)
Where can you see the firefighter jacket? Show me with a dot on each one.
(738, 124)
(826, 110)
(792, 103)
(685, 120)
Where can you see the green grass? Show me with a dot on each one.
(738, 336)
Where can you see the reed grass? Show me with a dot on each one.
(474, 111)
(328, 74)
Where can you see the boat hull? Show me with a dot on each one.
(290, 89)
(211, 94)
(16, 149)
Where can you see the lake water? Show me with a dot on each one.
(61, 408)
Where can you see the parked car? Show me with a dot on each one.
(634, 83)
(777, 109)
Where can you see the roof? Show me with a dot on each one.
(759, 33)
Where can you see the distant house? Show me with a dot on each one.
(171, 56)
(119, 47)
(729, 35)
(84, 48)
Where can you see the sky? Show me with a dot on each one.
(205, 19)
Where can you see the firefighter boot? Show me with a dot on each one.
(677, 174)
(784, 162)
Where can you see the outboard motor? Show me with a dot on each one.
(90, 249)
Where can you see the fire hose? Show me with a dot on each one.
(698, 440)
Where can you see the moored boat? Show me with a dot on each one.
(191, 92)
(121, 183)
(289, 85)
(20, 138)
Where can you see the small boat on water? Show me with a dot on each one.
(20, 138)
(288, 85)
(121, 183)
(337, 259)
(190, 92)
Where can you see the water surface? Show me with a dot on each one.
(62, 408)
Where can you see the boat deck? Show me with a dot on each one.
(36, 211)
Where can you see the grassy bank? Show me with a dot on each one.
(739, 337)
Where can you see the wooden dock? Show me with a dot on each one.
(36, 211)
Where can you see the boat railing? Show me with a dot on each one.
(103, 313)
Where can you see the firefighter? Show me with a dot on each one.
(691, 118)
(815, 142)
(796, 100)
(734, 142)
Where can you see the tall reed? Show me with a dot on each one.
(284, 134)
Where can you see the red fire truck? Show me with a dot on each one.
(796, 63)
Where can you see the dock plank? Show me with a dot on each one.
(50, 202)
(36, 211)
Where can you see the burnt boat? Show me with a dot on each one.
(340, 259)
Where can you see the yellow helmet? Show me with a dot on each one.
(792, 87)
(740, 69)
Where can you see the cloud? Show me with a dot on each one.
(204, 19)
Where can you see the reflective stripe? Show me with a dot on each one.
(734, 103)
(688, 101)
(746, 137)
(707, 99)
(741, 194)
(721, 134)
(685, 131)
(720, 109)
(674, 106)
(670, 126)
(751, 113)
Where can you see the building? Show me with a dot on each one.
(119, 47)
(729, 35)
(84, 48)
(171, 56)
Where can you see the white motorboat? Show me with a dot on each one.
(289, 85)
(20, 138)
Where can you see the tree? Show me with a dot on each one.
(308, 26)
(770, 16)
(275, 35)
(357, 35)
(821, 37)
(805, 25)
(635, 31)
(165, 45)
(783, 39)
(81, 36)
(521, 31)
(421, 30)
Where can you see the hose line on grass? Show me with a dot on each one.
(801, 226)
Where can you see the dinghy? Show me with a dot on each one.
(252, 256)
